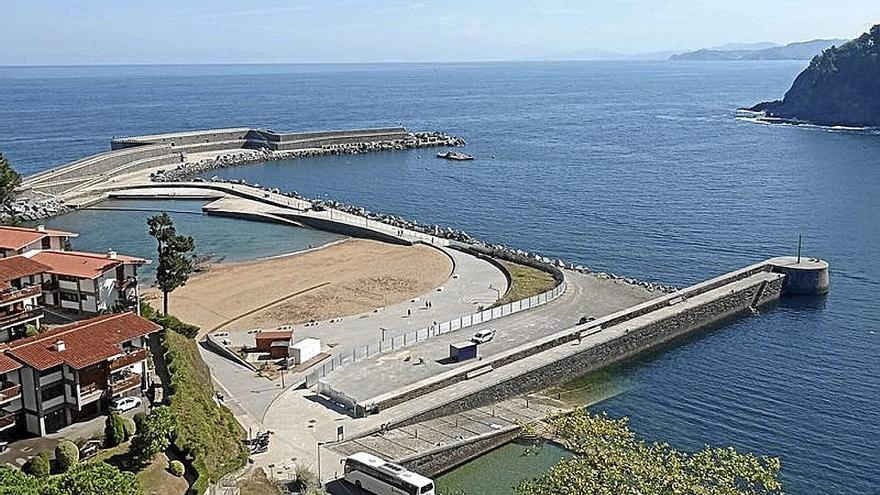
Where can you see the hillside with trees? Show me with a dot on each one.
(841, 87)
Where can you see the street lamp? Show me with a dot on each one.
(319, 463)
(383, 329)
(497, 291)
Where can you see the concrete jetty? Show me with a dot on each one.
(183, 154)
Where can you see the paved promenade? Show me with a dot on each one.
(586, 295)
(461, 294)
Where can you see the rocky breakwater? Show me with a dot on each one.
(414, 140)
(27, 209)
(496, 250)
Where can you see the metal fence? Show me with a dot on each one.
(420, 335)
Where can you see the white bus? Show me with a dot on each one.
(381, 477)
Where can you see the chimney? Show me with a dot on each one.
(59, 345)
(41, 228)
(111, 254)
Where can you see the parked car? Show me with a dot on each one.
(125, 404)
(483, 336)
(586, 319)
(89, 449)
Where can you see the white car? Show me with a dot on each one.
(483, 336)
(125, 404)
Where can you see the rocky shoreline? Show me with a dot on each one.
(451, 234)
(187, 171)
(25, 209)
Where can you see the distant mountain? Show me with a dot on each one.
(592, 54)
(792, 51)
(728, 47)
(841, 87)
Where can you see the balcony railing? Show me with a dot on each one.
(9, 391)
(130, 358)
(28, 314)
(128, 383)
(14, 295)
(7, 419)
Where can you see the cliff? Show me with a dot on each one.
(841, 87)
(793, 51)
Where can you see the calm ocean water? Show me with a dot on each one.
(637, 168)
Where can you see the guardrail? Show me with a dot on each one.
(423, 334)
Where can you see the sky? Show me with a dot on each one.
(72, 32)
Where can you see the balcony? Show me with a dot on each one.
(90, 393)
(7, 419)
(132, 381)
(130, 358)
(9, 391)
(14, 295)
(20, 316)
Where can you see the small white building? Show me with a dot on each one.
(304, 350)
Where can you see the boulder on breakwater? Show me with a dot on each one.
(245, 157)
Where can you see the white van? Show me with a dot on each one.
(483, 336)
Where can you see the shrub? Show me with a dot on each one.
(66, 455)
(37, 465)
(94, 478)
(128, 426)
(169, 322)
(157, 429)
(209, 435)
(175, 467)
(15, 482)
(114, 430)
(139, 421)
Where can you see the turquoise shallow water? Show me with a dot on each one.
(224, 239)
(638, 168)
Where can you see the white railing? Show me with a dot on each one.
(422, 334)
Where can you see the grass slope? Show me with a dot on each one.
(525, 282)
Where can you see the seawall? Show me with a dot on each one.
(559, 358)
(88, 176)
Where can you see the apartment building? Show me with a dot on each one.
(20, 293)
(66, 374)
(88, 283)
(19, 240)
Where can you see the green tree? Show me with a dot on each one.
(175, 258)
(129, 427)
(37, 466)
(609, 459)
(66, 455)
(94, 478)
(114, 430)
(15, 482)
(9, 180)
(155, 434)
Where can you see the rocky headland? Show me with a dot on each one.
(841, 87)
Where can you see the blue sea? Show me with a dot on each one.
(640, 168)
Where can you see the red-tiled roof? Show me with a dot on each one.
(19, 237)
(7, 364)
(16, 267)
(80, 264)
(86, 342)
(275, 335)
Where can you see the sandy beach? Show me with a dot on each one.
(351, 277)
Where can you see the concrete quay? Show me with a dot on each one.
(183, 154)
